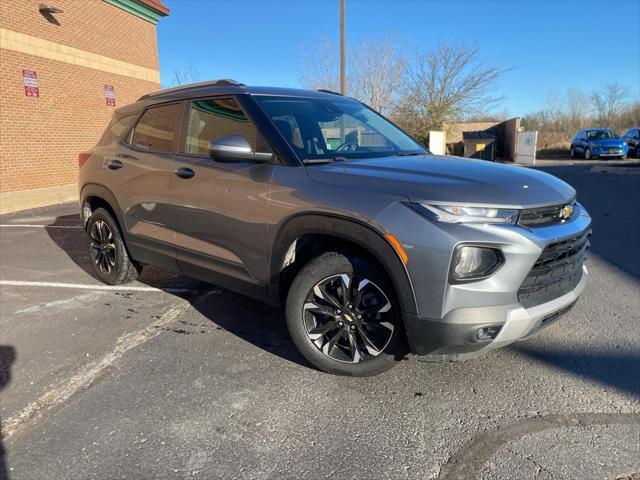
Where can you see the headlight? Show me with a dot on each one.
(472, 262)
(470, 214)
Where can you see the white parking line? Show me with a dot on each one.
(81, 286)
(90, 372)
(6, 225)
(58, 304)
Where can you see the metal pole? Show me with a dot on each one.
(342, 74)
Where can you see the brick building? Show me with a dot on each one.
(65, 65)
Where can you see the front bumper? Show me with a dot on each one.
(448, 315)
(610, 151)
(453, 337)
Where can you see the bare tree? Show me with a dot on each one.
(629, 117)
(185, 75)
(318, 67)
(378, 68)
(610, 102)
(375, 70)
(578, 108)
(446, 84)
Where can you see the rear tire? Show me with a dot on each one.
(355, 331)
(572, 152)
(107, 251)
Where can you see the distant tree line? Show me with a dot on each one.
(563, 115)
(452, 82)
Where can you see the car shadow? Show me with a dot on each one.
(7, 358)
(618, 369)
(252, 321)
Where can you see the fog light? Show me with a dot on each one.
(486, 333)
(473, 263)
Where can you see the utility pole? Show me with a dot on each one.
(342, 73)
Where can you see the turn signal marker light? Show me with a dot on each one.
(397, 246)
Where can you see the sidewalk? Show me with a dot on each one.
(39, 197)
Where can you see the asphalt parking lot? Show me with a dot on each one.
(170, 378)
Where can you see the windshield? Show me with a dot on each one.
(601, 135)
(320, 130)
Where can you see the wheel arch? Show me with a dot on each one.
(338, 232)
(94, 196)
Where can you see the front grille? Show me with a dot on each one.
(543, 216)
(557, 271)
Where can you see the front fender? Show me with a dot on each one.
(351, 230)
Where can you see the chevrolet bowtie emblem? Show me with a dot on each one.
(565, 212)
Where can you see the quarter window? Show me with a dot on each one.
(116, 129)
(214, 118)
(157, 128)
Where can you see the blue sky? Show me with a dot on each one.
(546, 44)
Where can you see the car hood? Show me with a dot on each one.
(429, 178)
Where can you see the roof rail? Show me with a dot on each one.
(329, 91)
(225, 82)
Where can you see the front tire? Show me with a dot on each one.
(343, 316)
(587, 154)
(109, 256)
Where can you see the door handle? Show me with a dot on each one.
(115, 165)
(184, 172)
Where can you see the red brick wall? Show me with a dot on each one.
(41, 137)
(92, 25)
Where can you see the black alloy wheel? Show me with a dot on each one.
(109, 256)
(103, 249)
(345, 317)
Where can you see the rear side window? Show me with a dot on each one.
(116, 129)
(157, 129)
(213, 118)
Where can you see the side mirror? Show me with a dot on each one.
(235, 148)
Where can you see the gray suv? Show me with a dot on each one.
(314, 202)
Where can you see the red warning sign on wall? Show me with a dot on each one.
(30, 81)
(110, 95)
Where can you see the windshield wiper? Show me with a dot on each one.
(324, 160)
(408, 154)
